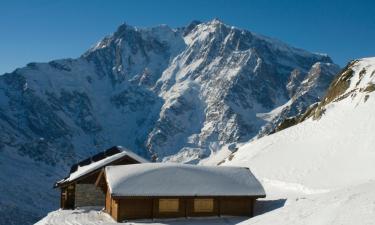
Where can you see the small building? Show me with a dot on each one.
(78, 188)
(169, 190)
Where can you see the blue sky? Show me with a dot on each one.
(42, 30)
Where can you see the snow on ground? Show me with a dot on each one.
(89, 216)
(349, 206)
(84, 216)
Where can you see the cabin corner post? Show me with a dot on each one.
(252, 206)
(186, 207)
(218, 207)
(61, 198)
(153, 209)
(115, 209)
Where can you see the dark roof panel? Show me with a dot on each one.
(112, 151)
(98, 157)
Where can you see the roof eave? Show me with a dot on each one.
(63, 183)
(185, 196)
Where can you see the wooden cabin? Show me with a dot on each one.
(78, 188)
(168, 190)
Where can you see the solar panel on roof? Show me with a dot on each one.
(85, 162)
(112, 151)
(74, 168)
(98, 157)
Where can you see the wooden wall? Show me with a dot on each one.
(147, 208)
(236, 206)
(108, 200)
(67, 197)
(135, 208)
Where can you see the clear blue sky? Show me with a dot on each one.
(42, 30)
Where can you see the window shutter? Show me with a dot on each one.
(168, 205)
(203, 205)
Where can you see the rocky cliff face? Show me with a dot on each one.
(305, 95)
(171, 94)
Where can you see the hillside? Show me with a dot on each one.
(324, 166)
(331, 149)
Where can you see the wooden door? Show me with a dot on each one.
(70, 197)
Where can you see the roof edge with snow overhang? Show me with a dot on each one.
(91, 165)
(183, 180)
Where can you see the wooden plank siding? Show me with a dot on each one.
(130, 208)
(115, 209)
(67, 197)
(236, 206)
(135, 208)
(108, 200)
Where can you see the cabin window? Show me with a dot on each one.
(168, 205)
(203, 205)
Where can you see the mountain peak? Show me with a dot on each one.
(148, 89)
(216, 21)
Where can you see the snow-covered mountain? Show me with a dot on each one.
(169, 94)
(319, 171)
(305, 94)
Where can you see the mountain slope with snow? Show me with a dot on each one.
(168, 94)
(320, 171)
(330, 151)
(324, 166)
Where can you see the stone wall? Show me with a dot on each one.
(89, 195)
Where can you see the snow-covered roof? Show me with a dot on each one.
(172, 179)
(93, 166)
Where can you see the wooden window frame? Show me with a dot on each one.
(169, 205)
(203, 205)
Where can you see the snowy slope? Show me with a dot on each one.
(332, 151)
(349, 206)
(323, 166)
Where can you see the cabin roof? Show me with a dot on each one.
(171, 179)
(97, 162)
